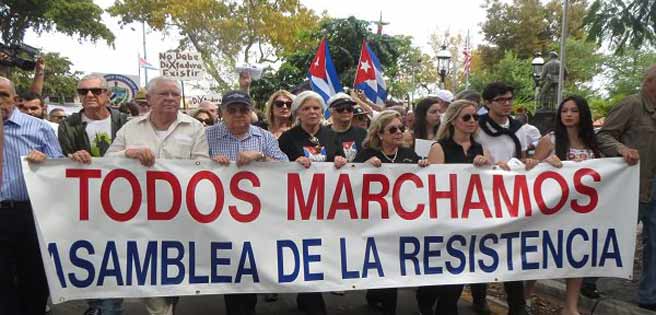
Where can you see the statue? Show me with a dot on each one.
(549, 91)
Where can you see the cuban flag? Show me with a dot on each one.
(323, 76)
(369, 76)
(143, 63)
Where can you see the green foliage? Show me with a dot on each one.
(60, 81)
(513, 71)
(526, 26)
(583, 63)
(625, 24)
(396, 54)
(626, 71)
(223, 31)
(81, 18)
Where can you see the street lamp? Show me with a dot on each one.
(443, 61)
(537, 63)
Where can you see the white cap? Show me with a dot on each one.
(445, 95)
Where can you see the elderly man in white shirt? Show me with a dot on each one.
(164, 133)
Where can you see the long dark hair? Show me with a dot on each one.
(420, 117)
(586, 132)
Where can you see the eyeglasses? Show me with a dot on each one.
(281, 104)
(241, 109)
(503, 99)
(344, 109)
(468, 117)
(95, 91)
(394, 129)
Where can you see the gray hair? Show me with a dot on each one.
(95, 76)
(300, 99)
(157, 80)
(11, 84)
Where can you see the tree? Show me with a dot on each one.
(80, 18)
(627, 71)
(526, 27)
(513, 71)
(60, 80)
(223, 31)
(399, 59)
(624, 24)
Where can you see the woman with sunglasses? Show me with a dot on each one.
(383, 145)
(573, 139)
(278, 114)
(455, 144)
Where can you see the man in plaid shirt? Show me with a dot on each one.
(235, 139)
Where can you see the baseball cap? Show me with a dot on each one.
(236, 97)
(140, 96)
(445, 95)
(340, 99)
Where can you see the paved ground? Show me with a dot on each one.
(352, 303)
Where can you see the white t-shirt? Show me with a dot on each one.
(502, 148)
(99, 133)
(532, 134)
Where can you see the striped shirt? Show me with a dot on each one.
(222, 142)
(23, 134)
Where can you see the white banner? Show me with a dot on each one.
(117, 229)
(183, 66)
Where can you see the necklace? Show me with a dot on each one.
(393, 159)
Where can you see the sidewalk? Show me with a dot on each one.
(619, 296)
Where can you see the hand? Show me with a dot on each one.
(503, 165)
(244, 80)
(304, 161)
(144, 155)
(554, 161)
(247, 157)
(81, 156)
(480, 160)
(374, 161)
(36, 157)
(40, 65)
(340, 161)
(423, 163)
(631, 156)
(531, 163)
(222, 160)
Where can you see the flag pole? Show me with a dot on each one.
(563, 43)
(469, 52)
(143, 31)
(139, 67)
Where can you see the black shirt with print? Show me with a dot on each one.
(295, 142)
(351, 141)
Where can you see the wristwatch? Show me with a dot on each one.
(261, 157)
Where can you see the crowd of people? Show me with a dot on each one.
(471, 127)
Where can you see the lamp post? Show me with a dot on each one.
(443, 63)
(543, 118)
(537, 63)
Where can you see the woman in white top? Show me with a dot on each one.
(574, 139)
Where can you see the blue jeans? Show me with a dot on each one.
(108, 306)
(647, 214)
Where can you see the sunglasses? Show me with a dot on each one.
(468, 117)
(394, 129)
(344, 109)
(94, 91)
(281, 104)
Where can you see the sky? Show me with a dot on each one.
(416, 18)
